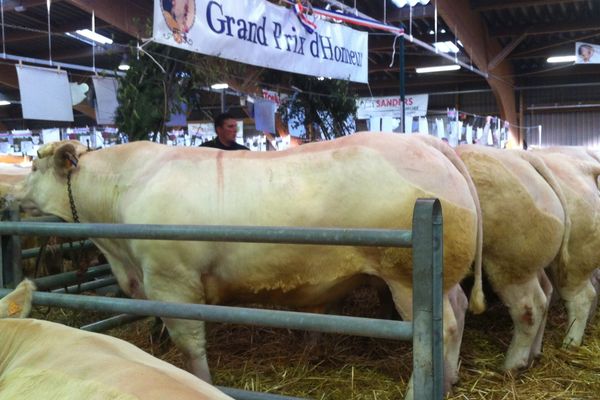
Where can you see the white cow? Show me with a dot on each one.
(577, 170)
(365, 180)
(45, 360)
(524, 225)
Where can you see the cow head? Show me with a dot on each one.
(45, 189)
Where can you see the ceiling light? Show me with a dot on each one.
(440, 68)
(432, 32)
(124, 64)
(442, 30)
(399, 3)
(412, 3)
(560, 59)
(219, 86)
(96, 37)
(446, 47)
(424, 2)
(4, 100)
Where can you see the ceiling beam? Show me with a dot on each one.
(528, 53)
(490, 5)
(506, 51)
(86, 110)
(15, 35)
(9, 5)
(546, 29)
(8, 76)
(120, 14)
(482, 49)
(403, 14)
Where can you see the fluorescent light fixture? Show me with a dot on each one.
(561, 59)
(219, 86)
(446, 47)
(440, 68)
(96, 37)
(4, 100)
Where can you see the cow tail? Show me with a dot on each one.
(477, 299)
(540, 166)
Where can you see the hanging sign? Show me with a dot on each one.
(260, 33)
(587, 53)
(377, 107)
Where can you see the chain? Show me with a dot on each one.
(71, 200)
(75, 258)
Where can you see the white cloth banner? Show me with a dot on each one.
(264, 115)
(469, 134)
(45, 93)
(260, 33)
(106, 99)
(370, 107)
(423, 125)
(439, 125)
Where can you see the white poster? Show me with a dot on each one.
(587, 53)
(423, 125)
(106, 99)
(369, 107)
(50, 135)
(45, 93)
(261, 33)
(264, 115)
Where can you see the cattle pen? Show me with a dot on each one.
(425, 330)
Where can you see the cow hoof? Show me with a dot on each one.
(571, 342)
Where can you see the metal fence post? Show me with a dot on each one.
(12, 273)
(428, 360)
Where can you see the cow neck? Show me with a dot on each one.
(71, 200)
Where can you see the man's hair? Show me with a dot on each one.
(220, 119)
(591, 48)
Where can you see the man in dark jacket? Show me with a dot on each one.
(226, 128)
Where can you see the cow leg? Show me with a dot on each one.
(402, 296)
(546, 286)
(188, 335)
(578, 302)
(459, 303)
(595, 280)
(526, 304)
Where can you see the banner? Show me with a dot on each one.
(371, 107)
(106, 99)
(260, 33)
(45, 93)
(587, 53)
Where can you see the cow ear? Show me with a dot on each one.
(65, 159)
(17, 304)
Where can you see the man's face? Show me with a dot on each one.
(227, 131)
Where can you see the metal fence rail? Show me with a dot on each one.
(425, 239)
